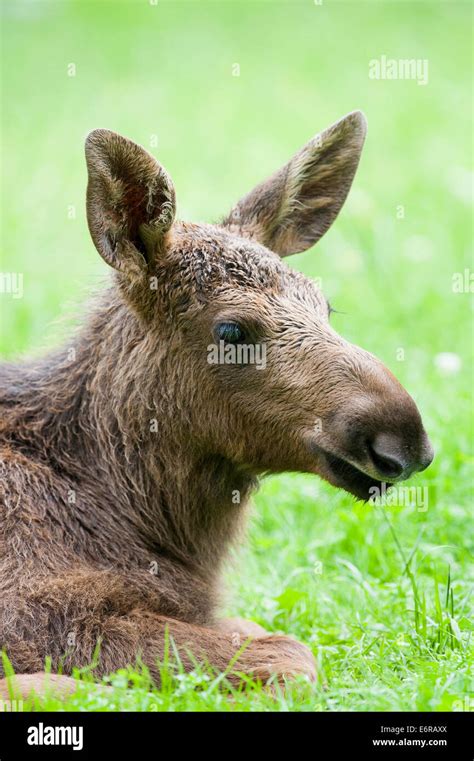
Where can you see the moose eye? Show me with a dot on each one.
(230, 332)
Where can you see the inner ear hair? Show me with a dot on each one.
(130, 200)
(294, 207)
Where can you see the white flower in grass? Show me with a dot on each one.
(448, 363)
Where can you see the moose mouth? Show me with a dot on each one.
(346, 476)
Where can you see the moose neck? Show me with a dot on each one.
(97, 419)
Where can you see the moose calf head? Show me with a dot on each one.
(320, 404)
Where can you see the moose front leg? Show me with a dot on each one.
(146, 635)
(102, 614)
(235, 647)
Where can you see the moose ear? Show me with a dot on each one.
(291, 210)
(130, 201)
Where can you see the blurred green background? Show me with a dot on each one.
(163, 74)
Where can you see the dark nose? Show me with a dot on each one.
(394, 460)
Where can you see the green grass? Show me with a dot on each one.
(381, 596)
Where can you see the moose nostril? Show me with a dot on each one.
(388, 462)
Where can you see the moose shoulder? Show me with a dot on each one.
(121, 459)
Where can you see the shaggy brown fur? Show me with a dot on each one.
(123, 452)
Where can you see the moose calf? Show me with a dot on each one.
(122, 452)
